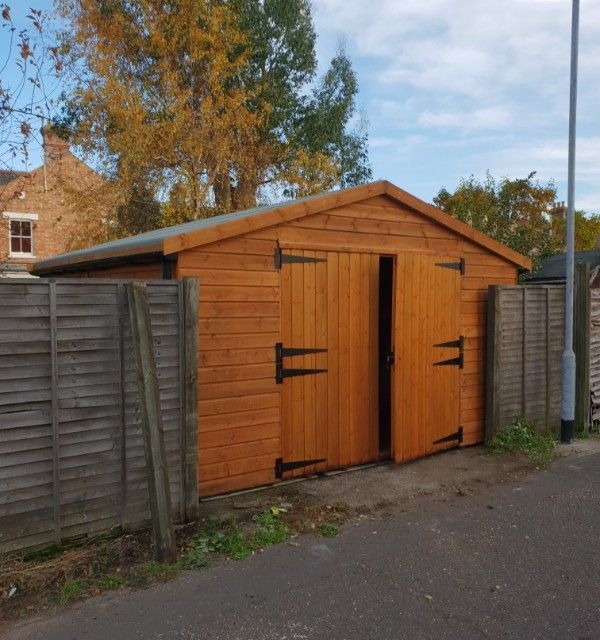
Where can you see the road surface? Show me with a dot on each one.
(515, 560)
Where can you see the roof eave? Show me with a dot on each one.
(55, 266)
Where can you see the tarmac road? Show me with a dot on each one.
(515, 560)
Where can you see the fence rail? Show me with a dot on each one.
(72, 459)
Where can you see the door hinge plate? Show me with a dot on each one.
(456, 436)
(286, 258)
(457, 266)
(282, 352)
(281, 467)
(453, 344)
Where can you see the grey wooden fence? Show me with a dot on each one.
(71, 448)
(525, 338)
(525, 342)
(595, 355)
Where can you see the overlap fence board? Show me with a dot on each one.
(525, 343)
(595, 354)
(72, 459)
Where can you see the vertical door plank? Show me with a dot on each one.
(354, 372)
(297, 384)
(373, 355)
(309, 381)
(364, 382)
(287, 450)
(344, 361)
(333, 325)
(321, 359)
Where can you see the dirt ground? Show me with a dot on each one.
(458, 471)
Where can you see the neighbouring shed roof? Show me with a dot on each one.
(171, 240)
(553, 269)
(8, 175)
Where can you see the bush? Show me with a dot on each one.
(522, 436)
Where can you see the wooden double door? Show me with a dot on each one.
(329, 360)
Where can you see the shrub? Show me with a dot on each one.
(522, 436)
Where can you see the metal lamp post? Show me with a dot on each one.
(567, 409)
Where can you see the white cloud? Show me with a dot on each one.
(462, 86)
(484, 118)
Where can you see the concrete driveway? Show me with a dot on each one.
(513, 560)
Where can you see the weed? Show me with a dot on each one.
(582, 435)
(523, 436)
(153, 570)
(329, 529)
(271, 529)
(197, 555)
(42, 555)
(109, 582)
(218, 538)
(71, 590)
(343, 508)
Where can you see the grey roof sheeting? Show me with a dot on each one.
(8, 175)
(151, 241)
(553, 268)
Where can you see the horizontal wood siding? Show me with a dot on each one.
(238, 401)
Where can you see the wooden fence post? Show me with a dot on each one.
(152, 425)
(581, 346)
(190, 338)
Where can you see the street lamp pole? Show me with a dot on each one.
(567, 409)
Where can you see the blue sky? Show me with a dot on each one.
(453, 88)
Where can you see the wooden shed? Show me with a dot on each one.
(335, 330)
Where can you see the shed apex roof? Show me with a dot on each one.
(199, 232)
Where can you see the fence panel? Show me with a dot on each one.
(595, 354)
(71, 448)
(525, 343)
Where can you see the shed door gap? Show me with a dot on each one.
(386, 357)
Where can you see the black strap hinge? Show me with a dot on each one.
(286, 258)
(458, 266)
(458, 436)
(282, 352)
(281, 467)
(455, 344)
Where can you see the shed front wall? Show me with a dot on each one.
(240, 321)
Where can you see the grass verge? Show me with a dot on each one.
(523, 437)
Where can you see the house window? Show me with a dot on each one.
(21, 238)
(20, 233)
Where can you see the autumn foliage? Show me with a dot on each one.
(199, 107)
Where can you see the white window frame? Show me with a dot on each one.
(20, 217)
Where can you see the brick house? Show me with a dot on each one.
(38, 216)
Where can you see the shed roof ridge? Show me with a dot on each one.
(168, 240)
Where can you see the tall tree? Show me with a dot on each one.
(30, 71)
(212, 103)
(156, 95)
(514, 212)
(587, 232)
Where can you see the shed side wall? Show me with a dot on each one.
(141, 271)
(238, 399)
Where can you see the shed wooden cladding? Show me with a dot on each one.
(324, 300)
